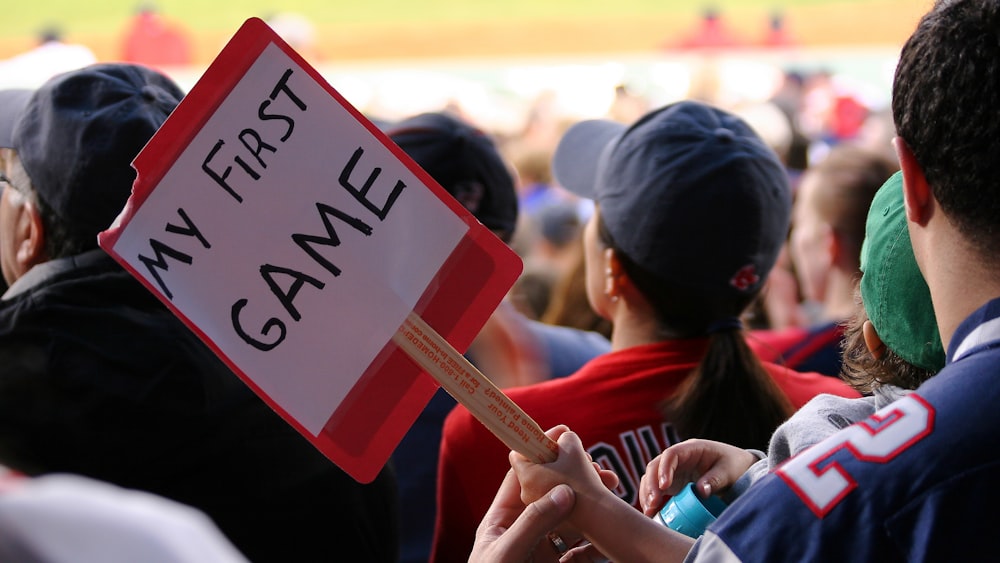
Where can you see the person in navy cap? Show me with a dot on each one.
(692, 208)
(916, 481)
(11, 102)
(98, 378)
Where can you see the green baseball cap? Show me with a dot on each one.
(895, 294)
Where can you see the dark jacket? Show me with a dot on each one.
(98, 378)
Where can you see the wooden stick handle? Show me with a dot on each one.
(474, 390)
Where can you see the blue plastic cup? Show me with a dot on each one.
(688, 514)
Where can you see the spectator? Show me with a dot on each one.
(711, 33)
(73, 519)
(828, 227)
(152, 40)
(569, 305)
(99, 378)
(11, 102)
(510, 348)
(52, 55)
(535, 190)
(906, 483)
(692, 208)
(891, 347)
(790, 99)
(777, 34)
(556, 246)
(532, 291)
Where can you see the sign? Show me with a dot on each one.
(295, 239)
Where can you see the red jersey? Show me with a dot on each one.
(611, 403)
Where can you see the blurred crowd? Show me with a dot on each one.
(712, 276)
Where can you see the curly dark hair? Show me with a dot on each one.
(945, 97)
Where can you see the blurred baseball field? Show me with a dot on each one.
(401, 29)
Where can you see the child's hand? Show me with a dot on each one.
(573, 466)
(713, 466)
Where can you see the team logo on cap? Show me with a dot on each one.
(745, 278)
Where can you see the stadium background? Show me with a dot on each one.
(496, 57)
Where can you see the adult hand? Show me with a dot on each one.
(512, 532)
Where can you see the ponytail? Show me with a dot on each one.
(729, 397)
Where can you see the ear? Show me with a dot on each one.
(872, 340)
(916, 193)
(30, 233)
(615, 278)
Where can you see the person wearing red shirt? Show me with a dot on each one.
(692, 210)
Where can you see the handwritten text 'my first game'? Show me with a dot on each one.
(235, 165)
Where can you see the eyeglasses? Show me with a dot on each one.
(5, 180)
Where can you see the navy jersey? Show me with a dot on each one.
(916, 481)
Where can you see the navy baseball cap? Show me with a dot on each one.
(80, 131)
(467, 164)
(690, 193)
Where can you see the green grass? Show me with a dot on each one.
(111, 16)
(415, 29)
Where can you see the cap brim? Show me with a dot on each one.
(578, 155)
(11, 103)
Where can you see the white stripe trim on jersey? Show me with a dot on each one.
(982, 334)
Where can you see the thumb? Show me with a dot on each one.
(539, 518)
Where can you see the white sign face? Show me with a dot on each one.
(291, 237)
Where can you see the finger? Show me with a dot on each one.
(506, 503)
(684, 462)
(553, 433)
(584, 554)
(649, 490)
(714, 480)
(608, 477)
(706, 486)
(724, 473)
(567, 440)
(556, 431)
(665, 476)
(535, 522)
(570, 440)
(649, 496)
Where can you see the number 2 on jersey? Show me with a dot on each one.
(821, 483)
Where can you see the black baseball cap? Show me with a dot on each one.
(457, 154)
(12, 102)
(689, 193)
(79, 132)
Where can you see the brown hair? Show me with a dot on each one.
(569, 306)
(863, 371)
(849, 177)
